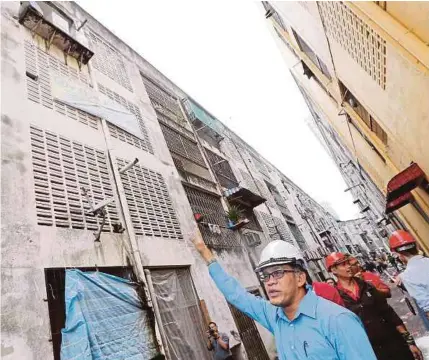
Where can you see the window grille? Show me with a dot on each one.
(299, 238)
(109, 61)
(39, 67)
(261, 167)
(144, 143)
(278, 199)
(163, 101)
(222, 169)
(211, 207)
(125, 136)
(276, 227)
(363, 44)
(266, 194)
(248, 182)
(61, 168)
(312, 56)
(181, 145)
(233, 153)
(151, 209)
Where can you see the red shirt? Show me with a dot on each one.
(328, 292)
(375, 280)
(354, 294)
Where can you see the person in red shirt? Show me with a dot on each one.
(328, 292)
(369, 277)
(386, 331)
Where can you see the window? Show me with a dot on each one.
(362, 43)
(263, 189)
(312, 56)
(210, 206)
(222, 169)
(109, 61)
(181, 316)
(182, 145)
(163, 102)
(363, 113)
(299, 238)
(61, 168)
(151, 209)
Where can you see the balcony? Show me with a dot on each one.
(244, 197)
(206, 125)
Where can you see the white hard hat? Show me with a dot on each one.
(279, 252)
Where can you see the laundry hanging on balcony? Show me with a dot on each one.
(104, 319)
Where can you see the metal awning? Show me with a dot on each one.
(402, 183)
(244, 197)
(399, 202)
(32, 18)
(324, 233)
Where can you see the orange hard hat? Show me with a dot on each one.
(335, 258)
(401, 240)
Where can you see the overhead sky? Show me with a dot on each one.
(223, 55)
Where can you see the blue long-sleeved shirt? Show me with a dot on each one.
(320, 329)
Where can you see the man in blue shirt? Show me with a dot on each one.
(416, 275)
(304, 325)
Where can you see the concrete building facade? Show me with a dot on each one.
(109, 166)
(363, 68)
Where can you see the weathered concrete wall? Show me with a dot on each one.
(28, 248)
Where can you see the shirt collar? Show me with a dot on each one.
(307, 306)
(414, 259)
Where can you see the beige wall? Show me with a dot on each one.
(414, 15)
(401, 109)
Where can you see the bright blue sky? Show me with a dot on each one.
(222, 54)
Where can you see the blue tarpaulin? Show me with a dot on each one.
(104, 319)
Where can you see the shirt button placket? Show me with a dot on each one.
(292, 327)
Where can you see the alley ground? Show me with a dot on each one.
(413, 323)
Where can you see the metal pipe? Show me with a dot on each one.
(135, 255)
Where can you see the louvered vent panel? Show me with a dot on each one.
(276, 227)
(361, 41)
(248, 182)
(120, 134)
(61, 168)
(149, 202)
(182, 145)
(109, 61)
(163, 101)
(40, 64)
(266, 193)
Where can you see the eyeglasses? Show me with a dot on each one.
(276, 275)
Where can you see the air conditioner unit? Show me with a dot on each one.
(253, 239)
